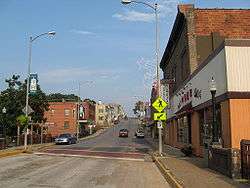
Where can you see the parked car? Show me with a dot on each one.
(123, 133)
(139, 133)
(66, 138)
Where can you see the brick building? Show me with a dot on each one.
(62, 117)
(198, 49)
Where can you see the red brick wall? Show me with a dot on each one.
(229, 23)
(58, 118)
(89, 111)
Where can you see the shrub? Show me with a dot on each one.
(187, 150)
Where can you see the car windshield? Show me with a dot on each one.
(64, 136)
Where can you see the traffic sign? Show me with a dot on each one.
(30, 110)
(159, 104)
(160, 116)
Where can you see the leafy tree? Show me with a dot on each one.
(22, 120)
(58, 97)
(90, 101)
(14, 99)
(139, 107)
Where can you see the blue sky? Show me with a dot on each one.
(98, 40)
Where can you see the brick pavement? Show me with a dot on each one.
(191, 171)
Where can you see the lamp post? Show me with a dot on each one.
(50, 33)
(78, 107)
(4, 111)
(155, 8)
(214, 124)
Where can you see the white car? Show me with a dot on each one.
(139, 134)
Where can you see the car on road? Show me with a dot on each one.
(139, 133)
(123, 133)
(65, 138)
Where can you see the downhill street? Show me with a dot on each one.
(55, 171)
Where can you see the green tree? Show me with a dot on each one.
(139, 107)
(22, 120)
(14, 99)
(58, 97)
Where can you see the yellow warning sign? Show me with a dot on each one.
(160, 116)
(159, 104)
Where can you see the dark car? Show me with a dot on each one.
(66, 138)
(123, 133)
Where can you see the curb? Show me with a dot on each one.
(167, 174)
(10, 153)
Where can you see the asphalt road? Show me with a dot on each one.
(86, 171)
(33, 171)
(109, 144)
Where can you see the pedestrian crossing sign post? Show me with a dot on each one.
(159, 104)
(160, 116)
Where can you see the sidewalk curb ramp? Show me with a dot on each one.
(167, 174)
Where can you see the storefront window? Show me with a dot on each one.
(206, 120)
(182, 130)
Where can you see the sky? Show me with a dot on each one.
(107, 47)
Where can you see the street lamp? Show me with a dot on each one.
(214, 124)
(78, 107)
(50, 33)
(4, 111)
(155, 8)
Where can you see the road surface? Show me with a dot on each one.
(86, 170)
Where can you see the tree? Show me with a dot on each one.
(14, 100)
(22, 120)
(58, 97)
(139, 107)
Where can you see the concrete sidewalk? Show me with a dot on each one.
(190, 171)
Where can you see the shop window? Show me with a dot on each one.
(182, 130)
(66, 125)
(205, 121)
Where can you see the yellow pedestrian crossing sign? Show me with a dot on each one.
(159, 104)
(160, 116)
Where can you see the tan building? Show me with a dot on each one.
(100, 110)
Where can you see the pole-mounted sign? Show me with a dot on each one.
(81, 112)
(33, 83)
(160, 105)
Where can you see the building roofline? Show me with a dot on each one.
(178, 23)
(222, 9)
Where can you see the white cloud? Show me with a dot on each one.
(134, 16)
(166, 7)
(60, 76)
(82, 32)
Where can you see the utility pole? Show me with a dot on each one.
(155, 8)
(78, 112)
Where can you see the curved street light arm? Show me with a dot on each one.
(32, 39)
